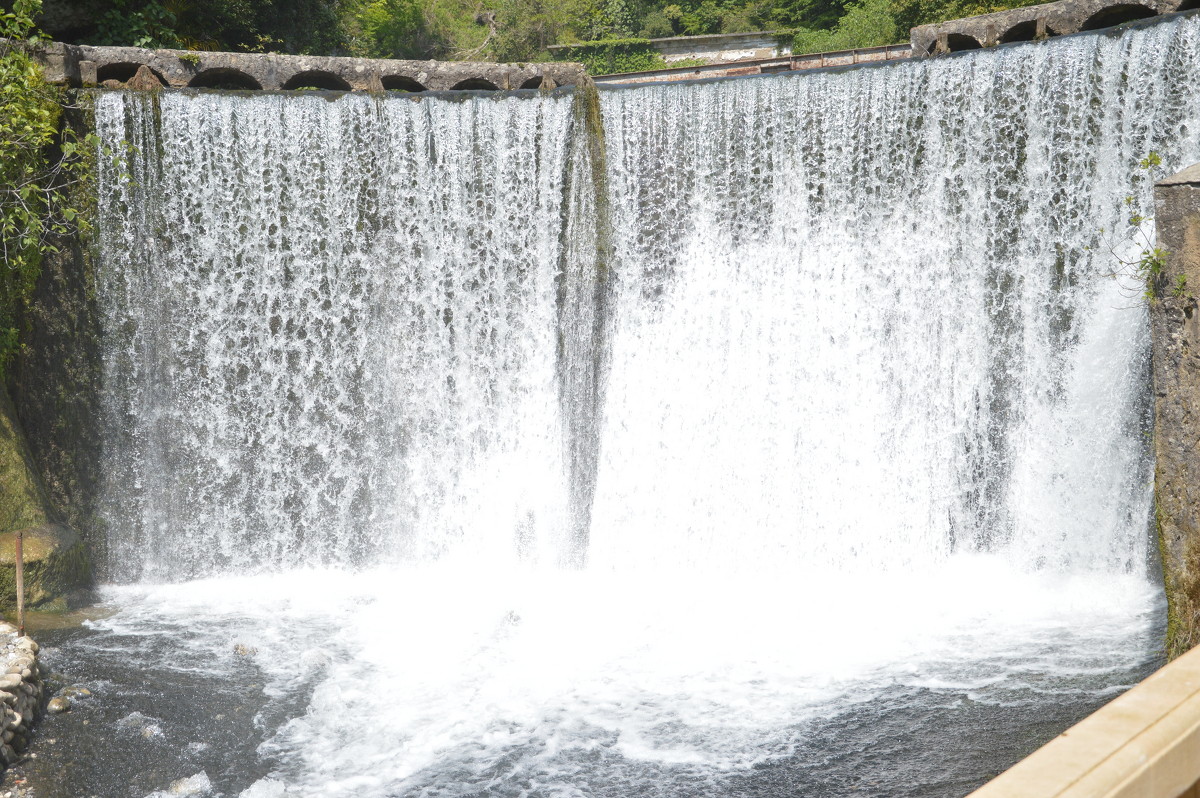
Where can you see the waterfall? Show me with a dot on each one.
(332, 329)
(866, 314)
(854, 318)
(671, 439)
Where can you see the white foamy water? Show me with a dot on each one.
(850, 418)
(413, 683)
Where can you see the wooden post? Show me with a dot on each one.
(20, 584)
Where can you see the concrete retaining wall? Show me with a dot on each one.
(725, 46)
(717, 47)
(765, 66)
(1175, 360)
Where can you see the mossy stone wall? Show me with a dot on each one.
(1175, 361)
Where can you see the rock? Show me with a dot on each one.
(144, 80)
(10, 681)
(56, 564)
(58, 704)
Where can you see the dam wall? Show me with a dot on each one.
(86, 66)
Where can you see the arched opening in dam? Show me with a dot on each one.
(1024, 32)
(820, 383)
(957, 42)
(474, 84)
(401, 83)
(224, 78)
(316, 79)
(122, 72)
(1117, 15)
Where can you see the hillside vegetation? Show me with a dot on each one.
(494, 30)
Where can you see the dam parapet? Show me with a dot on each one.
(88, 66)
(1035, 23)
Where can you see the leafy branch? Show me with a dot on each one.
(44, 170)
(1135, 250)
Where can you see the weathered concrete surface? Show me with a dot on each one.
(1175, 361)
(83, 66)
(765, 66)
(56, 380)
(725, 46)
(1143, 744)
(57, 569)
(717, 47)
(23, 502)
(56, 564)
(1036, 22)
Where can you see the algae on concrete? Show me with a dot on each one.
(1175, 362)
(56, 562)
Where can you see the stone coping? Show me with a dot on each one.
(86, 65)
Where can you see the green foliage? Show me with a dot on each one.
(867, 23)
(525, 28)
(391, 29)
(910, 13)
(1149, 263)
(39, 167)
(137, 24)
(290, 26)
(613, 56)
(657, 25)
(1149, 269)
(504, 30)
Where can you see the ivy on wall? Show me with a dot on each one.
(610, 56)
(41, 165)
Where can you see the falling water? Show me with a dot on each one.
(331, 329)
(823, 374)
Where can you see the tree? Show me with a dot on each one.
(39, 166)
(867, 23)
(391, 29)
